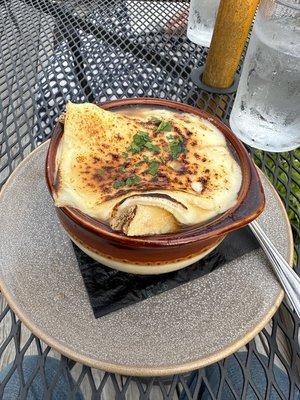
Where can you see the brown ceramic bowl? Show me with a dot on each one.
(160, 253)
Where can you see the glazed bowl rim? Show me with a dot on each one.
(194, 233)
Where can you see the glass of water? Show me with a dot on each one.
(202, 17)
(266, 111)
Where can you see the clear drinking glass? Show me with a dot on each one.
(266, 111)
(202, 17)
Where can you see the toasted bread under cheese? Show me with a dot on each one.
(147, 172)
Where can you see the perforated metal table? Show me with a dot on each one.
(55, 50)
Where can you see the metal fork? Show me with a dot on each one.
(288, 278)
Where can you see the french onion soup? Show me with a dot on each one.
(144, 171)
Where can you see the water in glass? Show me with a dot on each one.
(266, 112)
(201, 21)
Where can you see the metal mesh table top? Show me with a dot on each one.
(57, 50)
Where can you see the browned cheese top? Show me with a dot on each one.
(104, 156)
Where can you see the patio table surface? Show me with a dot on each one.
(52, 51)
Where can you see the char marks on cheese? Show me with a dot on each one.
(107, 160)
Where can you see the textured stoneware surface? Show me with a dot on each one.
(190, 326)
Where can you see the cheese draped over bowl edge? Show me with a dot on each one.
(148, 172)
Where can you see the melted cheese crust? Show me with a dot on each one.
(93, 155)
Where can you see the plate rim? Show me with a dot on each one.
(133, 370)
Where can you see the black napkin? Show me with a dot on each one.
(110, 290)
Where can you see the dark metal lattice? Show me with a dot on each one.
(55, 50)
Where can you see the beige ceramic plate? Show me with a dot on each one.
(188, 327)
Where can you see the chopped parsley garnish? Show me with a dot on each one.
(139, 141)
(100, 171)
(134, 148)
(122, 168)
(125, 155)
(176, 147)
(130, 181)
(152, 147)
(133, 180)
(141, 138)
(153, 167)
(164, 126)
(118, 184)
